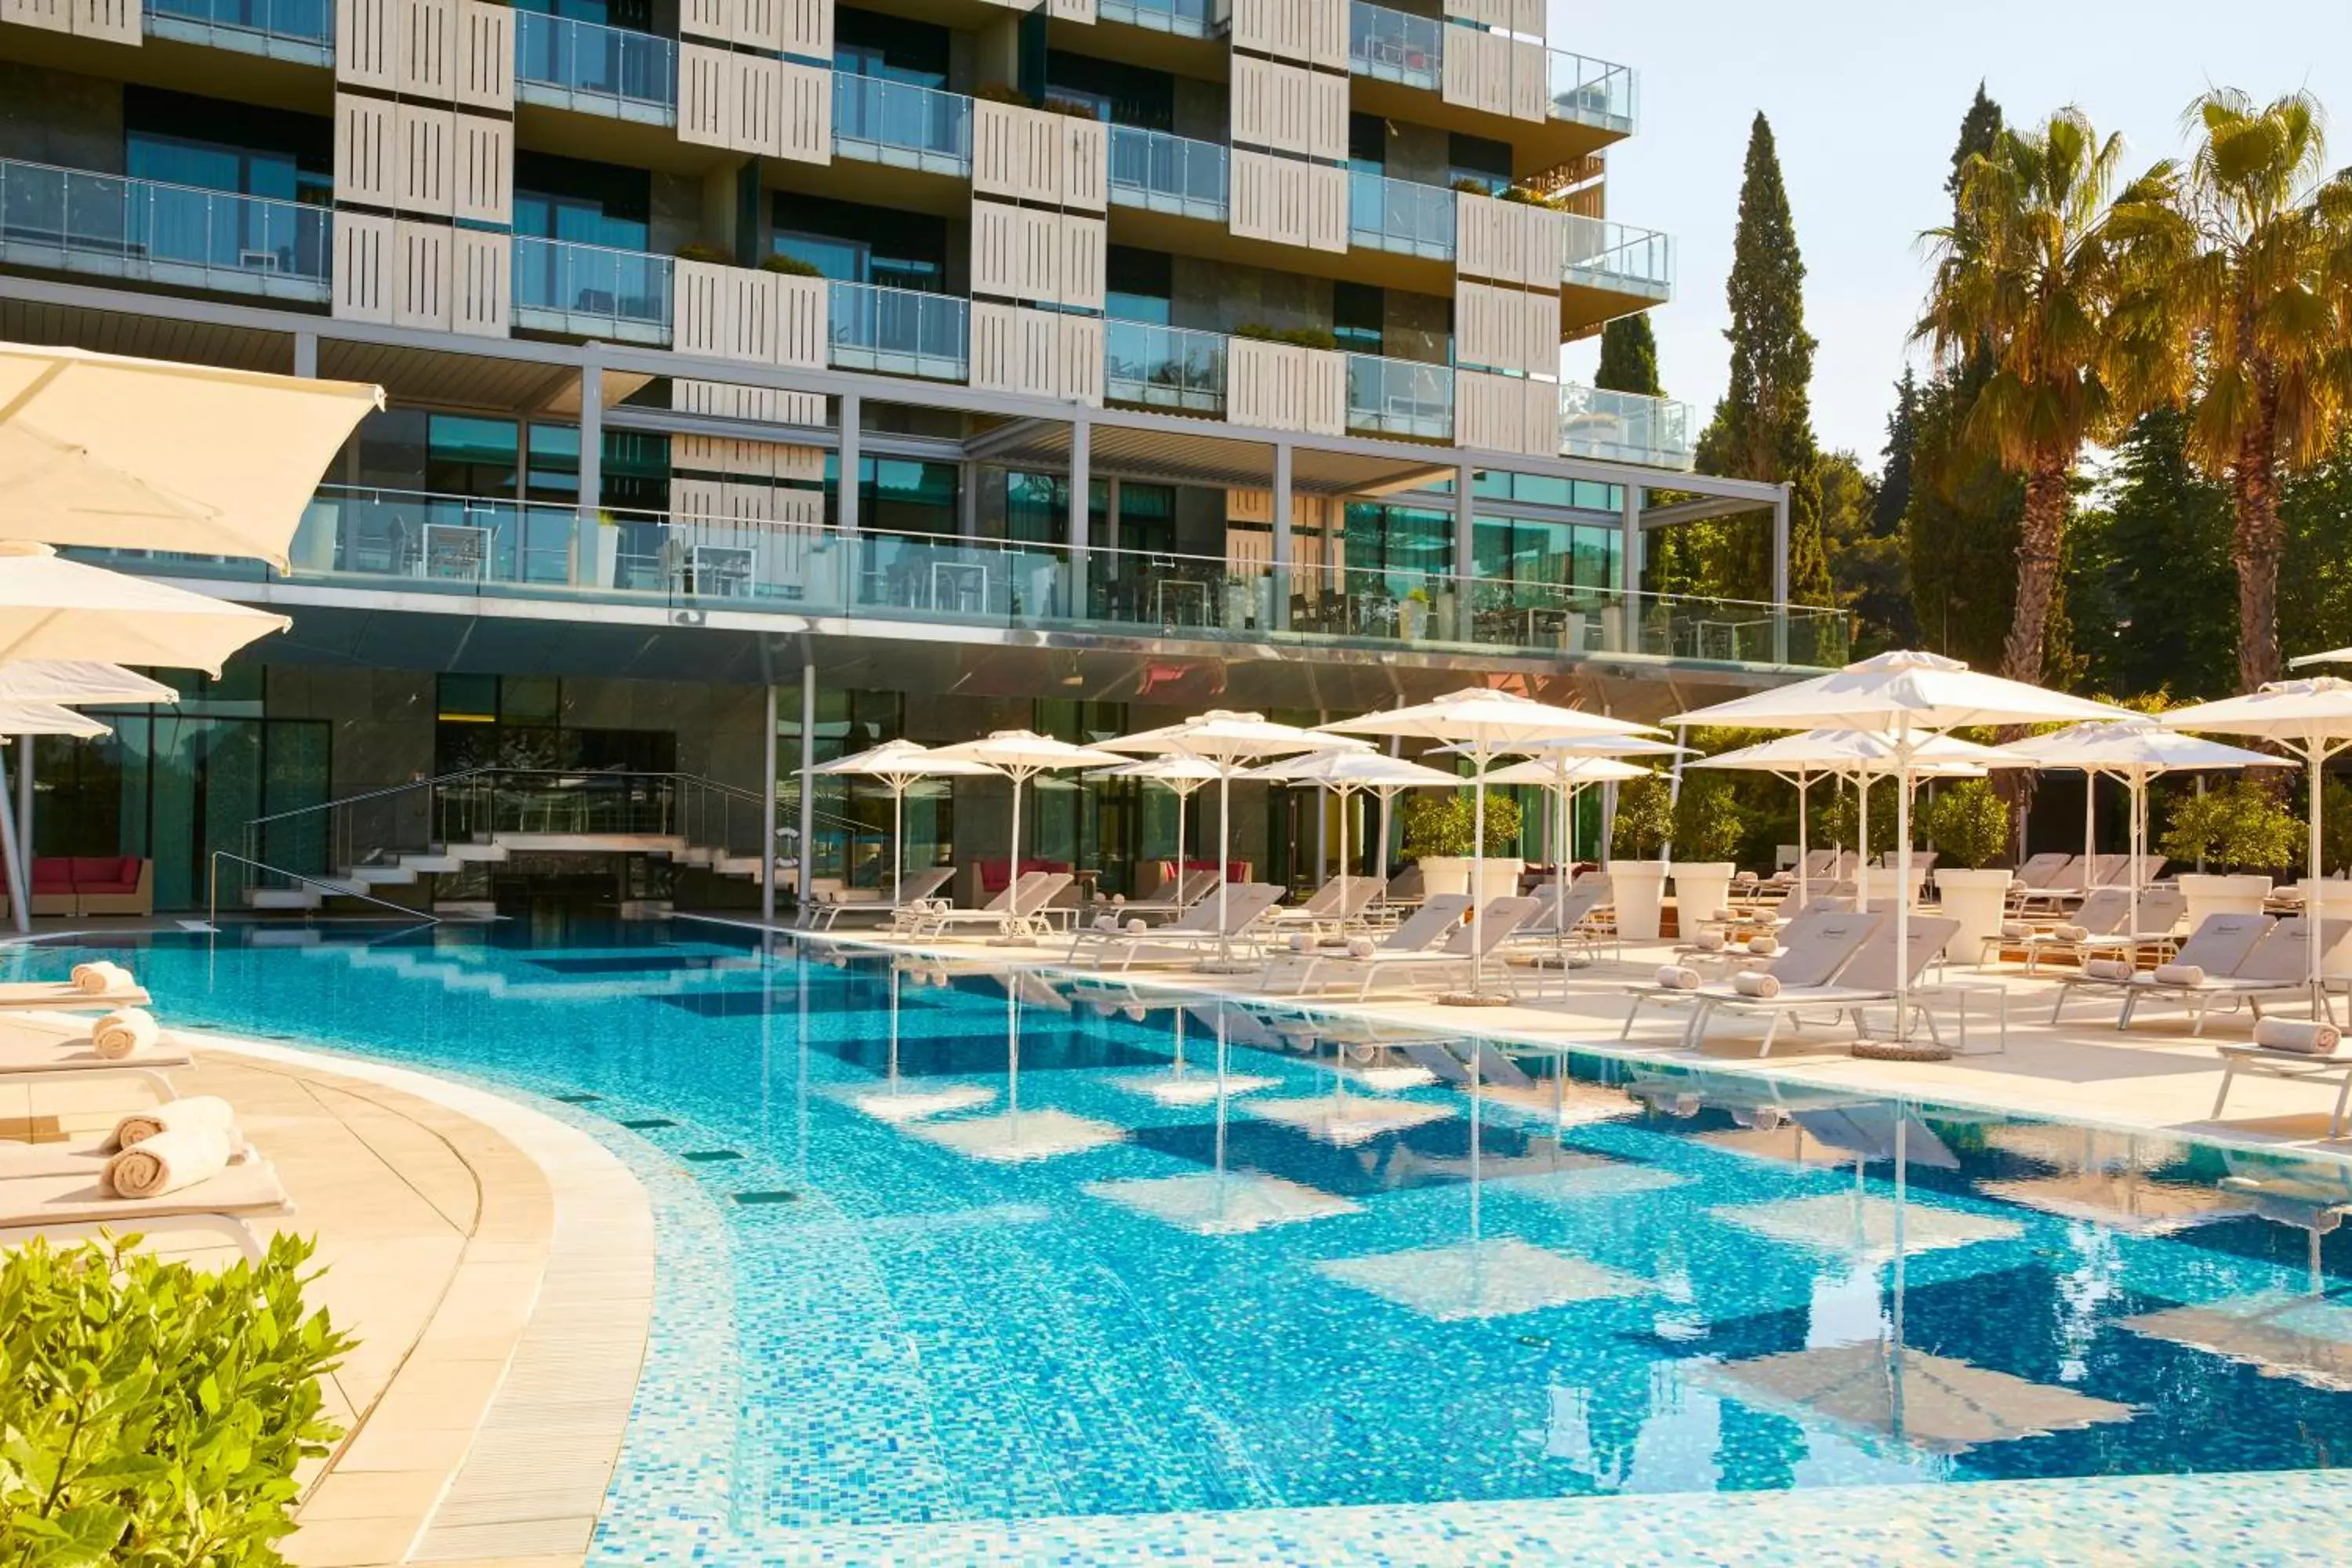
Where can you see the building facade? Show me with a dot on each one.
(914, 368)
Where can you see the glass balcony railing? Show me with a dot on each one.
(459, 540)
(1169, 173)
(1619, 257)
(1395, 46)
(567, 63)
(1593, 92)
(592, 290)
(1186, 18)
(1399, 215)
(282, 29)
(1155, 366)
(68, 220)
(900, 331)
(902, 124)
(1400, 398)
(1626, 427)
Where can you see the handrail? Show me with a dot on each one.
(372, 795)
(331, 885)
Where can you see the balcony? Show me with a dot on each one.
(69, 220)
(1626, 427)
(1595, 93)
(900, 332)
(1400, 398)
(902, 124)
(1401, 216)
(592, 292)
(565, 63)
(461, 545)
(1619, 258)
(1186, 18)
(1395, 46)
(298, 30)
(1152, 366)
(1164, 174)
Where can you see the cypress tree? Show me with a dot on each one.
(1894, 497)
(1763, 426)
(1629, 357)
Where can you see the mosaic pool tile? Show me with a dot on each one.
(1193, 1086)
(2304, 1338)
(906, 1103)
(1499, 1278)
(1230, 1204)
(1347, 1121)
(1018, 1135)
(1862, 1226)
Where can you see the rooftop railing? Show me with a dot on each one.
(1156, 366)
(592, 290)
(1186, 18)
(900, 332)
(1626, 427)
(1618, 257)
(1166, 173)
(1395, 46)
(586, 65)
(282, 29)
(1595, 93)
(902, 124)
(1400, 398)
(69, 220)
(1401, 216)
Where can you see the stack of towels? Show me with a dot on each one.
(170, 1146)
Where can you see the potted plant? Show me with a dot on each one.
(1710, 826)
(1412, 615)
(2241, 834)
(1967, 825)
(1440, 831)
(1637, 873)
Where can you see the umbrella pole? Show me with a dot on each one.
(1903, 754)
(1559, 799)
(1861, 846)
(20, 871)
(1902, 1123)
(2315, 906)
(897, 840)
(1013, 864)
(1804, 849)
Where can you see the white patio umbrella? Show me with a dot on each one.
(2312, 718)
(1617, 746)
(71, 682)
(1021, 755)
(1229, 741)
(1563, 772)
(1485, 723)
(97, 449)
(22, 720)
(1181, 776)
(1350, 773)
(1910, 697)
(897, 765)
(2134, 751)
(54, 608)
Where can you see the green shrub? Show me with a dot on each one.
(1298, 337)
(1003, 92)
(790, 265)
(1474, 187)
(1710, 825)
(1645, 818)
(1522, 195)
(714, 255)
(1967, 824)
(1447, 824)
(152, 1414)
(1071, 106)
(2240, 827)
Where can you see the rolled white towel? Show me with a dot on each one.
(2304, 1036)
(2015, 931)
(1118, 897)
(98, 977)
(2072, 933)
(122, 1032)
(1675, 978)
(1105, 922)
(1302, 942)
(1756, 983)
(1763, 946)
(1137, 926)
(168, 1162)
(2178, 974)
(2108, 969)
(1360, 947)
(1743, 878)
(1708, 942)
(1724, 915)
(197, 1111)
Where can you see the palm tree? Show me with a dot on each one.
(2261, 282)
(2027, 281)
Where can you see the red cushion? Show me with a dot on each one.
(105, 873)
(52, 874)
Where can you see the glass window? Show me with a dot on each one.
(1358, 314)
(1481, 159)
(853, 243)
(897, 495)
(177, 139)
(1121, 94)
(1367, 144)
(1138, 284)
(1397, 546)
(583, 201)
(1036, 507)
(467, 699)
(865, 44)
(637, 16)
(466, 455)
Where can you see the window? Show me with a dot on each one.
(1367, 144)
(1358, 312)
(1119, 94)
(894, 48)
(897, 495)
(856, 244)
(584, 202)
(175, 139)
(1138, 284)
(1477, 158)
(637, 16)
(1396, 547)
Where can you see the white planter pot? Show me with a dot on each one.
(2209, 894)
(1975, 898)
(1637, 888)
(1451, 874)
(1702, 888)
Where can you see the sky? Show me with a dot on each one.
(1865, 99)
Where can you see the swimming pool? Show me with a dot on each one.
(1120, 1280)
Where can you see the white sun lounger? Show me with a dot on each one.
(1866, 980)
(1190, 888)
(1200, 919)
(78, 1206)
(1244, 906)
(2277, 966)
(1471, 950)
(66, 1054)
(2262, 1061)
(2104, 912)
(1423, 929)
(2160, 909)
(1018, 911)
(1817, 944)
(62, 996)
(825, 908)
(2217, 946)
(1566, 922)
(1337, 905)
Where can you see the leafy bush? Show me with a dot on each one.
(1967, 824)
(1447, 824)
(1710, 825)
(1522, 195)
(1474, 187)
(152, 1414)
(1003, 92)
(790, 265)
(1837, 816)
(1645, 818)
(697, 251)
(1298, 337)
(1071, 106)
(2240, 827)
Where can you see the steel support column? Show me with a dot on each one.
(768, 814)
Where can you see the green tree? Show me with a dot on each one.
(2150, 574)
(2026, 276)
(1894, 497)
(1763, 426)
(1868, 574)
(1629, 357)
(2316, 587)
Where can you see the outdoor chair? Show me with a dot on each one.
(1868, 978)
(1190, 888)
(1422, 931)
(77, 1204)
(1243, 905)
(1018, 911)
(825, 908)
(1471, 950)
(1337, 905)
(2217, 946)
(1816, 946)
(2277, 966)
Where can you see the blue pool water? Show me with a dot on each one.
(1328, 1285)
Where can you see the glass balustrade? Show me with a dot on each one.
(1401, 216)
(68, 220)
(1626, 427)
(1593, 92)
(436, 542)
(1187, 18)
(596, 69)
(902, 124)
(1396, 47)
(900, 331)
(1619, 257)
(285, 29)
(1169, 173)
(1400, 398)
(592, 290)
(1164, 367)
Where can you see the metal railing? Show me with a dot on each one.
(1401, 216)
(1186, 18)
(1395, 46)
(569, 63)
(70, 220)
(1156, 366)
(592, 290)
(249, 25)
(1617, 255)
(1592, 92)
(1400, 398)
(1627, 427)
(902, 124)
(331, 886)
(900, 332)
(1166, 173)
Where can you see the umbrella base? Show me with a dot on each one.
(1901, 1051)
(1228, 966)
(1473, 999)
(1559, 961)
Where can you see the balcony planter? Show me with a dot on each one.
(1451, 874)
(1702, 888)
(1975, 898)
(1637, 888)
(2212, 894)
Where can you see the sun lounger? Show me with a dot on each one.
(65, 996)
(1564, 922)
(1432, 924)
(2277, 966)
(2104, 912)
(1110, 931)
(69, 1054)
(76, 1205)
(1189, 889)
(1866, 980)
(1337, 905)
(1018, 911)
(825, 908)
(2264, 1060)
(1408, 889)
(1469, 952)
(2160, 909)
(1817, 944)
(2217, 946)
(1243, 906)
